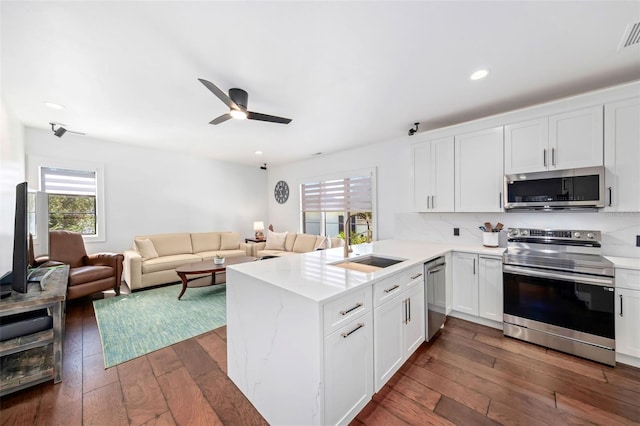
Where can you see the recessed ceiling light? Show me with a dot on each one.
(53, 105)
(258, 152)
(479, 74)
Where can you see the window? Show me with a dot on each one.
(326, 204)
(72, 199)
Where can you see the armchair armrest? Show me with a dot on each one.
(247, 248)
(104, 259)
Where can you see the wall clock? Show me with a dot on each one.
(281, 192)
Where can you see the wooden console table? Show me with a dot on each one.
(35, 358)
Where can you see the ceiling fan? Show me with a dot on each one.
(237, 103)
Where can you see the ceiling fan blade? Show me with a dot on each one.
(219, 93)
(221, 119)
(264, 117)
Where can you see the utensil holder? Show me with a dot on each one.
(491, 239)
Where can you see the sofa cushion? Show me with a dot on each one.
(209, 255)
(229, 240)
(170, 244)
(322, 242)
(275, 240)
(304, 243)
(289, 242)
(145, 247)
(263, 253)
(165, 263)
(86, 274)
(205, 241)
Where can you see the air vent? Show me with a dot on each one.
(631, 36)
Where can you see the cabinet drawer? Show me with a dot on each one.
(388, 288)
(628, 278)
(415, 276)
(339, 312)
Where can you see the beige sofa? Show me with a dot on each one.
(288, 243)
(154, 258)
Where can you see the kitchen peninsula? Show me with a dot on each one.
(300, 330)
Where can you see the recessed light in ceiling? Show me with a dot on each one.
(479, 74)
(53, 105)
(258, 152)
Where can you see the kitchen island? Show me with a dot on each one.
(300, 329)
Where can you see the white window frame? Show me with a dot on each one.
(372, 172)
(35, 165)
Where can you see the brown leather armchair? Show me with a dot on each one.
(88, 273)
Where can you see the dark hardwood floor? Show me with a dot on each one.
(470, 375)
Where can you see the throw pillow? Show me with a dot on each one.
(229, 241)
(275, 240)
(146, 248)
(304, 243)
(322, 242)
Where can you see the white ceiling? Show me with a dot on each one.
(347, 73)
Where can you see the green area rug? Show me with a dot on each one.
(132, 325)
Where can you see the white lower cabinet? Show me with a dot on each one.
(399, 325)
(490, 288)
(477, 285)
(627, 314)
(348, 362)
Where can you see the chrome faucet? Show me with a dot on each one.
(347, 232)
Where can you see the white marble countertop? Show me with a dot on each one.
(313, 275)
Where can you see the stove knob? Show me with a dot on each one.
(524, 232)
(590, 236)
(514, 232)
(577, 235)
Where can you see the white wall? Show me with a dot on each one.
(150, 191)
(392, 179)
(12, 172)
(392, 160)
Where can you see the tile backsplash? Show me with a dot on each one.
(619, 230)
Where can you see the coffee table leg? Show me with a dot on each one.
(183, 277)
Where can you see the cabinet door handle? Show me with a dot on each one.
(428, 199)
(409, 309)
(390, 289)
(416, 276)
(500, 200)
(474, 266)
(621, 305)
(433, 201)
(610, 197)
(359, 326)
(359, 304)
(544, 157)
(553, 156)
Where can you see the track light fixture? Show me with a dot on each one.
(61, 130)
(413, 131)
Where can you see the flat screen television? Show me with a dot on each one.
(20, 241)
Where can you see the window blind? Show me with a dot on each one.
(71, 182)
(340, 195)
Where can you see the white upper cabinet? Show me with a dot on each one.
(433, 182)
(561, 141)
(478, 171)
(525, 146)
(576, 139)
(622, 155)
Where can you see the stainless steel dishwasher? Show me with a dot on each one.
(435, 293)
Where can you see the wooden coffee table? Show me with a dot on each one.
(206, 267)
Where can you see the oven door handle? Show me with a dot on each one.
(559, 275)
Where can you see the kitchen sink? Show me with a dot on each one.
(368, 263)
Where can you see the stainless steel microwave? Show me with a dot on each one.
(555, 190)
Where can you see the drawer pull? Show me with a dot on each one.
(416, 276)
(359, 304)
(345, 335)
(389, 290)
(621, 306)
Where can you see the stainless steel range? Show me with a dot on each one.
(559, 292)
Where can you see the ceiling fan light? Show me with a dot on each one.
(239, 114)
(479, 74)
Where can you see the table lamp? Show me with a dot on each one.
(259, 227)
